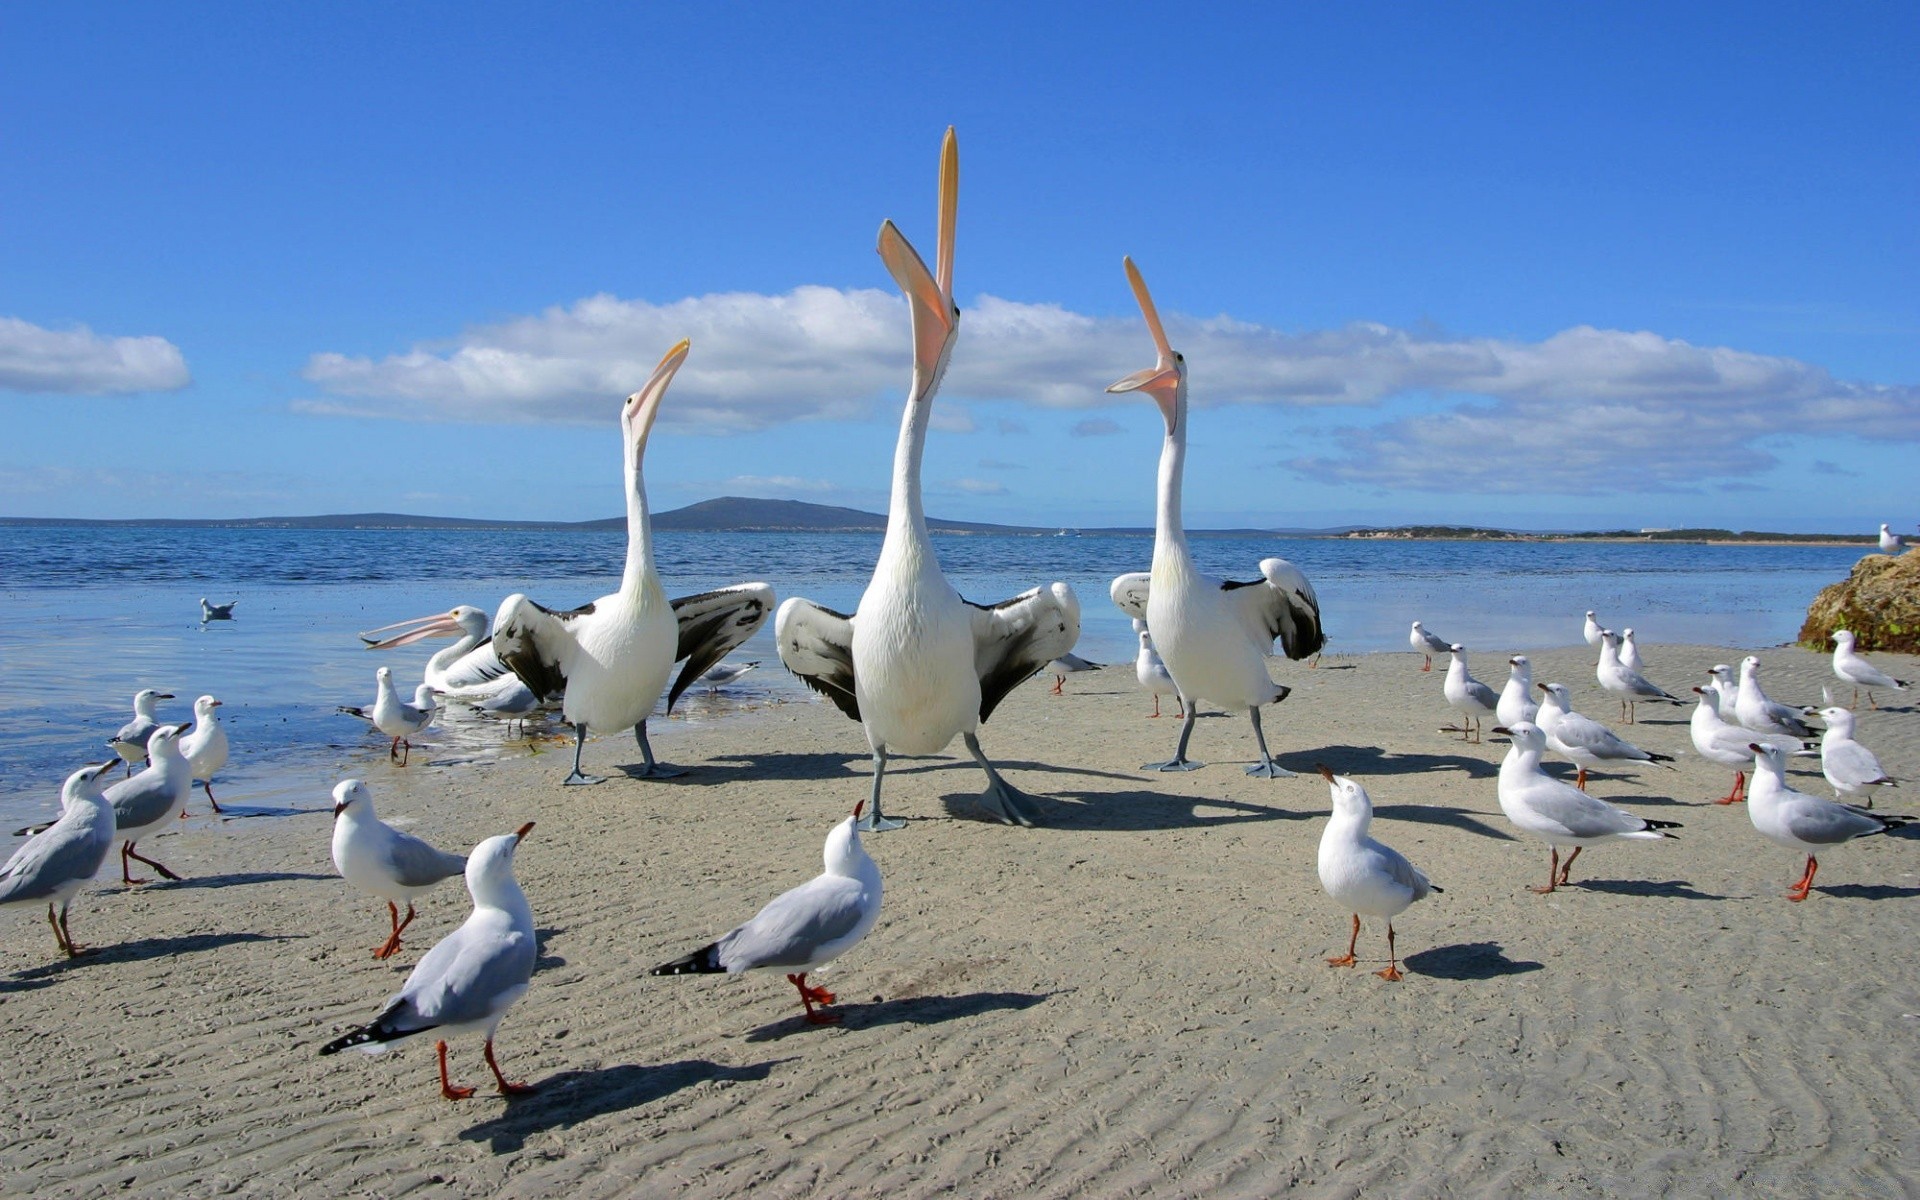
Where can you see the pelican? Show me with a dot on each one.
(915, 664)
(1213, 635)
(609, 660)
(468, 668)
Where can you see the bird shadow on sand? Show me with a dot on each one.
(1671, 889)
(1468, 961)
(147, 948)
(1363, 761)
(238, 879)
(1869, 891)
(248, 812)
(838, 766)
(1442, 814)
(1129, 811)
(572, 1097)
(914, 1010)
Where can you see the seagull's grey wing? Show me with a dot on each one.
(534, 642)
(472, 974)
(1015, 638)
(55, 856)
(712, 624)
(416, 864)
(1437, 645)
(137, 731)
(1584, 733)
(1640, 685)
(816, 644)
(1852, 763)
(1581, 815)
(1073, 662)
(1129, 594)
(141, 800)
(794, 925)
(476, 668)
(511, 700)
(1824, 823)
(1482, 695)
(1280, 604)
(1788, 719)
(1401, 871)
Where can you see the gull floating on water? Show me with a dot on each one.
(1754, 710)
(1558, 813)
(1152, 673)
(803, 929)
(1426, 645)
(216, 612)
(1850, 767)
(1730, 745)
(54, 863)
(1516, 698)
(395, 717)
(206, 746)
(1626, 682)
(471, 977)
(1364, 876)
(1069, 664)
(1474, 699)
(1802, 822)
(1856, 670)
(375, 857)
(152, 800)
(131, 742)
(1582, 740)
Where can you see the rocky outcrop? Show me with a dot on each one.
(1879, 602)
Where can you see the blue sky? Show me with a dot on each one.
(1515, 265)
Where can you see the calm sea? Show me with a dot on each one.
(92, 615)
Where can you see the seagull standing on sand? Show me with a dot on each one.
(1426, 645)
(1890, 542)
(1558, 814)
(216, 612)
(1592, 630)
(1856, 670)
(1213, 634)
(1630, 653)
(1069, 664)
(471, 977)
(803, 929)
(152, 800)
(1725, 692)
(1474, 699)
(1850, 767)
(131, 742)
(394, 716)
(1582, 740)
(54, 863)
(1628, 684)
(206, 746)
(1802, 822)
(1152, 673)
(1754, 710)
(375, 857)
(1516, 698)
(1362, 875)
(1729, 745)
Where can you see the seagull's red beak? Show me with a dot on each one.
(520, 834)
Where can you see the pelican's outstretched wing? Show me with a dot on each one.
(1015, 638)
(1129, 593)
(536, 643)
(712, 624)
(1280, 604)
(476, 669)
(816, 644)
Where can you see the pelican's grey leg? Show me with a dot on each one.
(580, 778)
(1266, 768)
(1001, 798)
(655, 769)
(873, 822)
(1179, 760)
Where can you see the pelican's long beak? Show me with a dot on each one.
(520, 834)
(1162, 380)
(929, 293)
(436, 625)
(644, 405)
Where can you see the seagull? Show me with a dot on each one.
(1727, 744)
(394, 716)
(1427, 645)
(216, 612)
(1753, 710)
(131, 742)
(1516, 699)
(1473, 698)
(805, 928)
(1802, 822)
(507, 704)
(1069, 664)
(1630, 685)
(1890, 542)
(1725, 692)
(1850, 767)
(466, 983)
(1582, 740)
(609, 660)
(1854, 669)
(54, 863)
(375, 857)
(206, 746)
(1152, 673)
(1361, 874)
(1558, 814)
(916, 664)
(152, 800)
(726, 673)
(1630, 653)
(469, 668)
(1214, 635)
(1592, 630)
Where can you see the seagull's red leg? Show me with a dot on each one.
(1156, 705)
(1798, 891)
(132, 853)
(1057, 681)
(126, 868)
(506, 1089)
(208, 784)
(809, 996)
(446, 1086)
(1553, 873)
(57, 935)
(73, 951)
(385, 949)
(1392, 973)
(1428, 665)
(1347, 959)
(1580, 780)
(1739, 791)
(1567, 866)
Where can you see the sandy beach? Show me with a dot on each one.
(1132, 1000)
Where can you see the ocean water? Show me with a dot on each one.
(93, 614)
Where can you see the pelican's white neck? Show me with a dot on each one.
(639, 569)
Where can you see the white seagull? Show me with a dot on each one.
(54, 863)
(1592, 630)
(1582, 740)
(468, 669)
(1516, 698)
(515, 703)
(206, 746)
(1557, 813)
(1474, 699)
(131, 742)
(1214, 635)
(1152, 673)
(717, 677)
(1426, 645)
(1630, 653)
(1725, 689)
(1802, 822)
(375, 857)
(802, 929)
(152, 800)
(216, 612)
(471, 977)
(1362, 875)
(395, 717)
(916, 664)
(1069, 664)
(1754, 710)
(1625, 682)
(609, 660)
(1890, 542)
(1856, 670)
(1850, 767)
(1719, 741)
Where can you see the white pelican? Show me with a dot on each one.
(1213, 635)
(609, 660)
(915, 664)
(468, 668)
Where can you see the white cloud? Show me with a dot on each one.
(78, 360)
(979, 487)
(784, 484)
(1096, 427)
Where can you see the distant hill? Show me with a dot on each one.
(740, 513)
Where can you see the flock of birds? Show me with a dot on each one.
(916, 665)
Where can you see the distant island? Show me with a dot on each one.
(740, 514)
